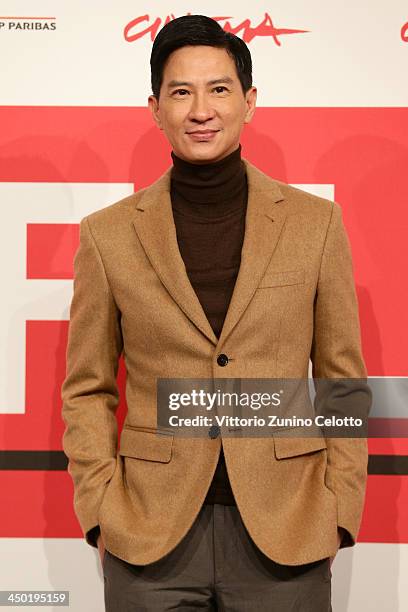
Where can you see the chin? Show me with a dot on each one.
(200, 155)
(203, 154)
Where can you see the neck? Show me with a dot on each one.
(211, 189)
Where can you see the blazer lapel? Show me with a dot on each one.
(264, 222)
(154, 225)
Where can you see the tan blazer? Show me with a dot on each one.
(294, 299)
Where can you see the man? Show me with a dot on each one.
(213, 271)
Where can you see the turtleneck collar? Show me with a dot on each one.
(211, 190)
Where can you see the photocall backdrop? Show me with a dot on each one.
(76, 135)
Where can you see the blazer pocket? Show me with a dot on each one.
(293, 447)
(151, 445)
(281, 278)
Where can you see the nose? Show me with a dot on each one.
(201, 108)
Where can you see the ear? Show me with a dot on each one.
(250, 100)
(154, 109)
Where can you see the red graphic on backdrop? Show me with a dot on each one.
(344, 147)
(404, 32)
(266, 28)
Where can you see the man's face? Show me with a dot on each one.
(189, 102)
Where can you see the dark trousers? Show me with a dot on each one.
(216, 566)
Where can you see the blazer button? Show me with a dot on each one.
(222, 360)
(214, 431)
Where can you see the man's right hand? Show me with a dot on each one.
(101, 547)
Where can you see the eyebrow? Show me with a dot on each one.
(224, 79)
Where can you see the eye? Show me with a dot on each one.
(220, 87)
(177, 90)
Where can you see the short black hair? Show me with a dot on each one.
(198, 30)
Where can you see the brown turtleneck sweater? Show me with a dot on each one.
(209, 206)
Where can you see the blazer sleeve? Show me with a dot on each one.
(336, 353)
(89, 392)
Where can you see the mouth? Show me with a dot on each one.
(202, 135)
